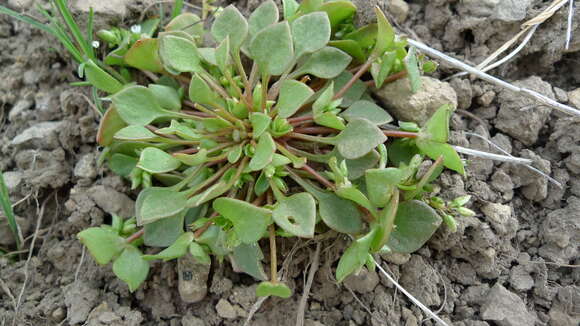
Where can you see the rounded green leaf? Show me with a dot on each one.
(354, 257)
(131, 267)
(310, 33)
(154, 160)
(264, 152)
(101, 79)
(272, 48)
(199, 253)
(164, 232)
(265, 15)
(187, 22)
(385, 35)
(232, 23)
(166, 96)
(351, 48)
(381, 183)
(434, 150)
(109, 125)
(416, 222)
(144, 55)
(293, 95)
(200, 92)
(281, 290)
(338, 11)
(413, 70)
(367, 110)
(250, 222)
(248, 259)
(135, 133)
(156, 203)
(326, 63)
(103, 244)
(179, 54)
(359, 138)
(176, 250)
(137, 105)
(437, 127)
(296, 215)
(122, 164)
(339, 214)
(260, 123)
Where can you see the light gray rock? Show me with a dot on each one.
(80, 299)
(193, 277)
(418, 107)
(500, 217)
(110, 7)
(505, 308)
(112, 201)
(19, 108)
(574, 98)
(520, 278)
(13, 180)
(86, 167)
(363, 282)
(226, 310)
(399, 9)
(190, 320)
(20, 3)
(396, 258)
(561, 313)
(477, 8)
(559, 233)
(421, 280)
(524, 126)
(512, 10)
(41, 135)
(464, 92)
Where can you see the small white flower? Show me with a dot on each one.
(96, 44)
(136, 29)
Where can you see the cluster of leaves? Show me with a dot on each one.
(290, 145)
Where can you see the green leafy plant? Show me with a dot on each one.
(227, 153)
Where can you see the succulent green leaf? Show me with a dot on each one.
(176, 250)
(154, 160)
(354, 94)
(166, 96)
(338, 11)
(262, 184)
(381, 183)
(250, 222)
(131, 267)
(437, 127)
(357, 167)
(137, 105)
(101, 79)
(199, 253)
(248, 259)
(353, 194)
(135, 133)
(266, 289)
(193, 159)
(208, 55)
(235, 154)
(296, 215)
(351, 48)
(187, 22)
(359, 138)
(260, 123)
(264, 152)
(402, 151)
(308, 6)
(222, 55)
(144, 55)
(179, 129)
(155, 203)
(416, 222)
(311, 33)
(109, 125)
(179, 54)
(164, 232)
(367, 110)
(326, 63)
(104, 244)
(212, 192)
(230, 23)
(293, 95)
(272, 49)
(365, 37)
(290, 8)
(215, 124)
(122, 164)
(265, 15)
(451, 159)
(215, 239)
(381, 69)
(354, 257)
(385, 35)
(200, 92)
(413, 70)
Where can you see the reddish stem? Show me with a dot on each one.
(318, 176)
(199, 232)
(363, 69)
(301, 119)
(135, 236)
(315, 130)
(400, 134)
(187, 151)
(390, 79)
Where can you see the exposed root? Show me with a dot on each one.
(315, 262)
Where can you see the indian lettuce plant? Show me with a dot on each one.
(270, 133)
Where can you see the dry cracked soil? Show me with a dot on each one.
(514, 264)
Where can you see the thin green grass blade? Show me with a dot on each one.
(177, 8)
(97, 101)
(74, 28)
(7, 208)
(90, 24)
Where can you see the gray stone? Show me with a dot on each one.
(399, 9)
(193, 277)
(464, 92)
(80, 300)
(13, 180)
(421, 280)
(559, 233)
(41, 135)
(418, 107)
(189, 320)
(20, 3)
(19, 108)
(524, 126)
(501, 218)
(512, 10)
(562, 312)
(477, 8)
(110, 7)
(505, 308)
(574, 98)
(534, 186)
(225, 309)
(396, 258)
(561, 95)
(86, 167)
(362, 282)
(112, 201)
(520, 278)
